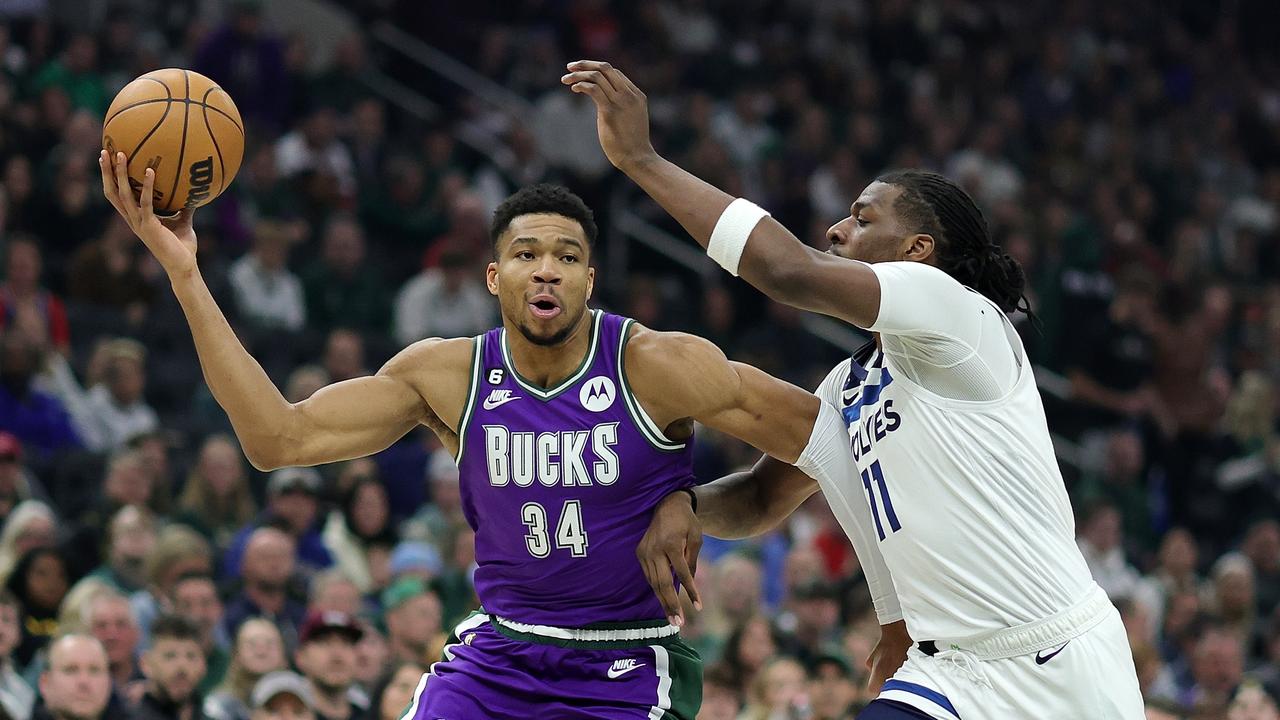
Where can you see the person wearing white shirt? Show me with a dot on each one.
(266, 293)
(443, 302)
(116, 405)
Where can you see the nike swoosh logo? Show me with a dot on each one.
(1041, 658)
(619, 673)
(489, 404)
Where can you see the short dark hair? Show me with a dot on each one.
(174, 627)
(543, 198)
(934, 205)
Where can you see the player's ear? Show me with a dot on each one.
(919, 247)
(491, 277)
(591, 281)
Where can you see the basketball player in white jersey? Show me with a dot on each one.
(969, 545)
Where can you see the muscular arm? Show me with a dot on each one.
(753, 502)
(775, 261)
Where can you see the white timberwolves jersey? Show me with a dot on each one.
(966, 498)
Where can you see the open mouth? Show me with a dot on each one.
(544, 307)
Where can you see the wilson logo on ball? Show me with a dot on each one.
(201, 181)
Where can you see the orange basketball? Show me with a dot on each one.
(183, 126)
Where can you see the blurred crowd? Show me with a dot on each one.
(1127, 153)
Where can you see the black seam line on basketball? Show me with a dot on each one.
(129, 159)
(182, 147)
(168, 97)
(222, 167)
(214, 108)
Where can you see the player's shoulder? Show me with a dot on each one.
(432, 355)
(832, 386)
(656, 361)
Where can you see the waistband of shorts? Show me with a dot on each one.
(1033, 637)
(597, 635)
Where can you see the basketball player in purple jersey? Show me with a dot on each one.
(568, 425)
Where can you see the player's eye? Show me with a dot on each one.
(524, 255)
(570, 258)
(861, 221)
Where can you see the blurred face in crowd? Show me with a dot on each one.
(400, 691)
(757, 644)
(338, 594)
(344, 246)
(221, 466)
(831, 691)
(873, 232)
(111, 621)
(1263, 546)
(284, 707)
(76, 683)
(344, 355)
(128, 482)
(738, 584)
(1178, 553)
(269, 559)
(1103, 529)
(297, 507)
(783, 684)
(259, 647)
(541, 277)
(329, 661)
(197, 600)
(719, 702)
(416, 622)
(127, 378)
(1234, 588)
(369, 509)
(132, 539)
(371, 656)
(175, 667)
(1218, 663)
(22, 269)
(47, 581)
(10, 632)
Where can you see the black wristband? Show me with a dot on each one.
(693, 498)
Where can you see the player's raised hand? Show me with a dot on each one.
(171, 240)
(671, 544)
(622, 113)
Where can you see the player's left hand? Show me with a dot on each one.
(888, 655)
(622, 113)
(671, 544)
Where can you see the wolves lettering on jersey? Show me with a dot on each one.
(862, 390)
(559, 485)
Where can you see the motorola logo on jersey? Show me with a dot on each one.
(597, 394)
(552, 458)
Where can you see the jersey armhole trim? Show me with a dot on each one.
(648, 428)
(469, 408)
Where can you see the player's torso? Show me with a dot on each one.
(973, 519)
(559, 485)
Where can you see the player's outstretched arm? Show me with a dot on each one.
(345, 420)
(774, 260)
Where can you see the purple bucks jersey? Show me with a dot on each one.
(560, 484)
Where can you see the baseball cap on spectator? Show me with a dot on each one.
(415, 557)
(10, 446)
(281, 682)
(294, 478)
(325, 622)
(401, 591)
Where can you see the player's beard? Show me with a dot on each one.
(555, 338)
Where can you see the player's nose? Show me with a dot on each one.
(546, 275)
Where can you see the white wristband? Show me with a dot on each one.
(729, 238)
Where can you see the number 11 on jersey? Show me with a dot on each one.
(874, 476)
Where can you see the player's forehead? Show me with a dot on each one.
(877, 197)
(543, 229)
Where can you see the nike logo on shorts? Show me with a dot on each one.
(1041, 658)
(622, 667)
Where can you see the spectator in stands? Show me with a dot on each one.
(179, 551)
(721, 694)
(778, 691)
(76, 73)
(394, 691)
(748, 647)
(400, 213)
(108, 617)
(333, 589)
(174, 667)
(372, 657)
(1175, 572)
(434, 520)
(831, 688)
(368, 140)
(1120, 482)
(39, 581)
(283, 696)
(445, 301)
(1217, 669)
(75, 684)
(1262, 547)
(248, 63)
(17, 484)
(131, 536)
(813, 617)
(344, 355)
(21, 289)
(258, 651)
(363, 517)
(16, 696)
(342, 287)
(216, 498)
(1099, 540)
(1230, 597)
(315, 148)
(413, 618)
(31, 525)
(105, 277)
(195, 598)
(270, 556)
(268, 297)
(37, 419)
(293, 505)
(326, 656)
(118, 407)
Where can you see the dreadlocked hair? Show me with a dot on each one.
(934, 205)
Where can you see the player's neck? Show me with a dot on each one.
(548, 365)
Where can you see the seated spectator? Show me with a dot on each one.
(21, 288)
(1099, 542)
(105, 274)
(1230, 596)
(174, 668)
(314, 147)
(258, 651)
(748, 648)
(268, 297)
(39, 420)
(179, 551)
(342, 287)
(266, 574)
(1217, 668)
(39, 581)
(195, 598)
(721, 695)
(778, 691)
(326, 656)
(811, 620)
(216, 498)
(344, 355)
(333, 590)
(31, 525)
(413, 618)
(831, 688)
(363, 517)
(372, 657)
(395, 690)
(16, 696)
(293, 504)
(118, 407)
(1261, 546)
(75, 684)
(283, 695)
(17, 484)
(131, 536)
(445, 301)
(108, 617)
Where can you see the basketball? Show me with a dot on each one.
(183, 126)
